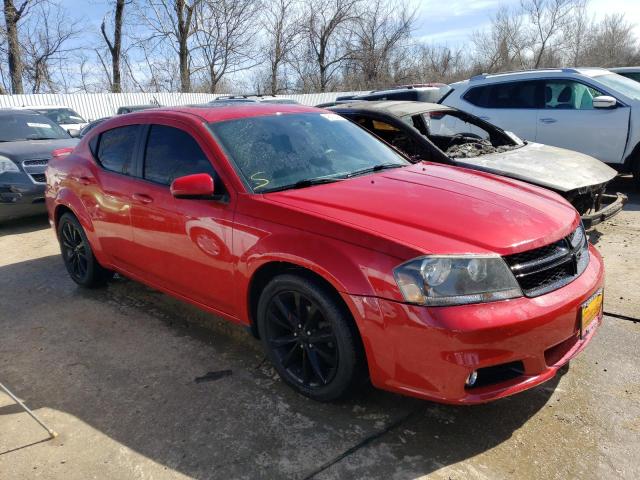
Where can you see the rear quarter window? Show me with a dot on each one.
(116, 149)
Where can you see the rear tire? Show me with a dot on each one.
(82, 266)
(309, 338)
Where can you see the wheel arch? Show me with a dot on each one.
(270, 270)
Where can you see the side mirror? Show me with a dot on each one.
(196, 186)
(74, 133)
(604, 101)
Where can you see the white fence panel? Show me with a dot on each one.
(98, 105)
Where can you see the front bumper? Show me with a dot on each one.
(613, 206)
(20, 196)
(430, 352)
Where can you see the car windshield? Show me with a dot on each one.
(277, 152)
(62, 116)
(434, 95)
(25, 126)
(618, 83)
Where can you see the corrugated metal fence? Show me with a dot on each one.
(98, 105)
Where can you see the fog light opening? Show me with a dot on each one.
(471, 379)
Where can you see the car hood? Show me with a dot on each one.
(551, 167)
(436, 208)
(30, 149)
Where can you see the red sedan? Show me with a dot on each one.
(341, 256)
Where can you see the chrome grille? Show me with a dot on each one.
(548, 268)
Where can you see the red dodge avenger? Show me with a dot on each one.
(346, 260)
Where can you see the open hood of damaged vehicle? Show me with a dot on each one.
(551, 167)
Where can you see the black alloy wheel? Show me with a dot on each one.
(310, 337)
(302, 339)
(74, 251)
(78, 257)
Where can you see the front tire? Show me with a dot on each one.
(309, 337)
(77, 255)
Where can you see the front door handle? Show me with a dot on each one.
(142, 198)
(548, 120)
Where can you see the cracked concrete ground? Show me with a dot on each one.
(113, 371)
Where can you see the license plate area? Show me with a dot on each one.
(590, 312)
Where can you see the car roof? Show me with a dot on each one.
(625, 69)
(11, 111)
(45, 107)
(397, 108)
(229, 110)
(535, 74)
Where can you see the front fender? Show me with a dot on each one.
(349, 268)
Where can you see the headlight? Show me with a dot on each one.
(456, 280)
(7, 165)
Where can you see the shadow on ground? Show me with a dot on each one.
(24, 225)
(624, 184)
(123, 360)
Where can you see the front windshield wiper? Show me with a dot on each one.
(307, 182)
(375, 168)
(43, 138)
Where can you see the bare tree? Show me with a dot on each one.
(45, 44)
(504, 45)
(224, 39)
(379, 31)
(115, 45)
(171, 20)
(282, 27)
(612, 43)
(549, 19)
(577, 35)
(328, 41)
(14, 12)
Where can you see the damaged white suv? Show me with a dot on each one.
(589, 110)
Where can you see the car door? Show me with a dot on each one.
(511, 106)
(108, 200)
(569, 120)
(182, 244)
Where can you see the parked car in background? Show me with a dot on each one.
(249, 98)
(136, 108)
(343, 257)
(423, 92)
(630, 72)
(91, 125)
(26, 142)
(432, 132)
(589, 110)
(232, 99)
(66, 117)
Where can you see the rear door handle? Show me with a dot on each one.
(548, 120)
(142, 198)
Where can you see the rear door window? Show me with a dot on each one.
(171, 153)
(116, 149)
(506, 95)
